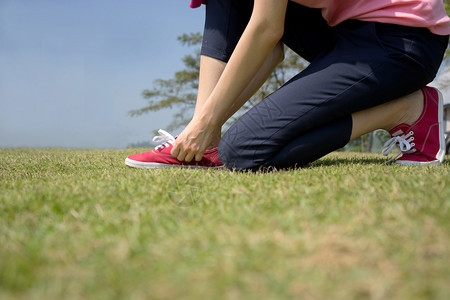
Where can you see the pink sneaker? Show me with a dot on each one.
(423, 142)
(160, 157)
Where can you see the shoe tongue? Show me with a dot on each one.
(399, 130)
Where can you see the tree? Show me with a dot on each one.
(180, 92)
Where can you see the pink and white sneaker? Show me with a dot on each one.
(160, 157)
(423, 142)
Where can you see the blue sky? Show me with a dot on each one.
(71, 70)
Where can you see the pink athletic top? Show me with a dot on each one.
(196, 3)
(414, 13)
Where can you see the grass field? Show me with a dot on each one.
(79, 224)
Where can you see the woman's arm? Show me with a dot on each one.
(262, 33)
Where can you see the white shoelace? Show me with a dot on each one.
(165, 138)
(404, 142)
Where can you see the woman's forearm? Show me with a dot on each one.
(274, 59)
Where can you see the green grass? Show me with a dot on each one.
(79, 224)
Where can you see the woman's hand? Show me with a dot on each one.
(195, 139)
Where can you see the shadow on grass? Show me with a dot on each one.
(348, 161)
(382, 161)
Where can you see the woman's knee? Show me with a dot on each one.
(237, 153)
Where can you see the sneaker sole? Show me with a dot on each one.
(418, 163)
(144, 165)
(441, 153)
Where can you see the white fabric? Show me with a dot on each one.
(404, 142)
(165, 138)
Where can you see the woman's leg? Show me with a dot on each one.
(416, 112)
(404, 110)
(415, 123)
(332, 136)
(210, 71)
(350, 78)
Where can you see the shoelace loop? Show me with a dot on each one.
(404, 142)
(165, 138)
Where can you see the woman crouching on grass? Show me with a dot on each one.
(370, 61)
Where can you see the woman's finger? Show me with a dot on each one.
(199, 155)
(189, 156)
(181, 154)
(175, 150)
